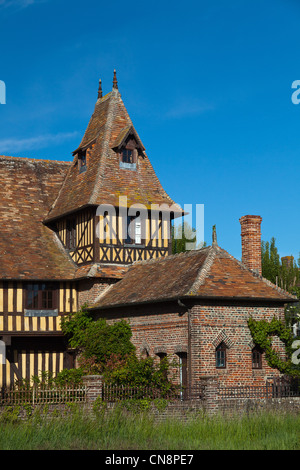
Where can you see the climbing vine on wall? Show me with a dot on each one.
(263, 332)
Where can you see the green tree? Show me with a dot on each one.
(284, 274)
(183, 238)
(270, 260)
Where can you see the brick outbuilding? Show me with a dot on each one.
(194, 306)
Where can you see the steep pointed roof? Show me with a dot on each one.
(104, 181)
(209, 273)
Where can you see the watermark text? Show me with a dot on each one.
(2, 92)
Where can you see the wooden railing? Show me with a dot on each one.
(36, 395)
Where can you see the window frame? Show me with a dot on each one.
(221, 356)
(37, 306)
(126, 159)
(123, 162)
(82, 161)
(71, 233)
(256, 357)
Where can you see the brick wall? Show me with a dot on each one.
(156, 329)
(166, 328)
(90, 289)
(212, 324)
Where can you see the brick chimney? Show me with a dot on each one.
(251, 242)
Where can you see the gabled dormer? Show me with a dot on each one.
(129, 147)
(111, 166)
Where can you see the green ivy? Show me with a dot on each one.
(262, 332)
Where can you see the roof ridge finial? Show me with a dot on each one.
(115, 82)
(100, 89)
(214, 236)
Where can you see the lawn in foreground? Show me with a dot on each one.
(119, 430)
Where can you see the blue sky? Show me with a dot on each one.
(207, 85)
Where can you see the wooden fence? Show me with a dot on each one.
(36, 395)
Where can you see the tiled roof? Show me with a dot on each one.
(29, 249)
(98, 270)
(104, 181)
(207, 273)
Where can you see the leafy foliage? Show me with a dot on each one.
(106, 349)
(285, 275)
(262, 332)
(96, 340)
(134, 371)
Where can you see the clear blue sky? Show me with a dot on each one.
(207, 85)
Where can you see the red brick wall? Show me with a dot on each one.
(90, 289)
(158, 328)
(165, 328)
(212, 324)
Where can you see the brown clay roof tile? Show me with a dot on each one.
(29, 249)
(207, 273)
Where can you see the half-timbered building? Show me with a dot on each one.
(70, 230)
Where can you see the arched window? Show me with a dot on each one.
(221, 356)
(162, 356)
(256, 357)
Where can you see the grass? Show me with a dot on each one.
(139, 431)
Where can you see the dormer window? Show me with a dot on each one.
(82, 161)
(128, 146)
(128, 158)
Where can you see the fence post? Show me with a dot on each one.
(93, 385)
(211, 393)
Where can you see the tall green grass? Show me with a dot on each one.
(140, 431)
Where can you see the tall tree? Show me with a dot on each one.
(285, 273)
(270, 260)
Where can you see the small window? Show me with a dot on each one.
(71, 234)
(221, 356)
(128, 159)
(82, 161)
(41, 296)
(127, 156)
(256, 358)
